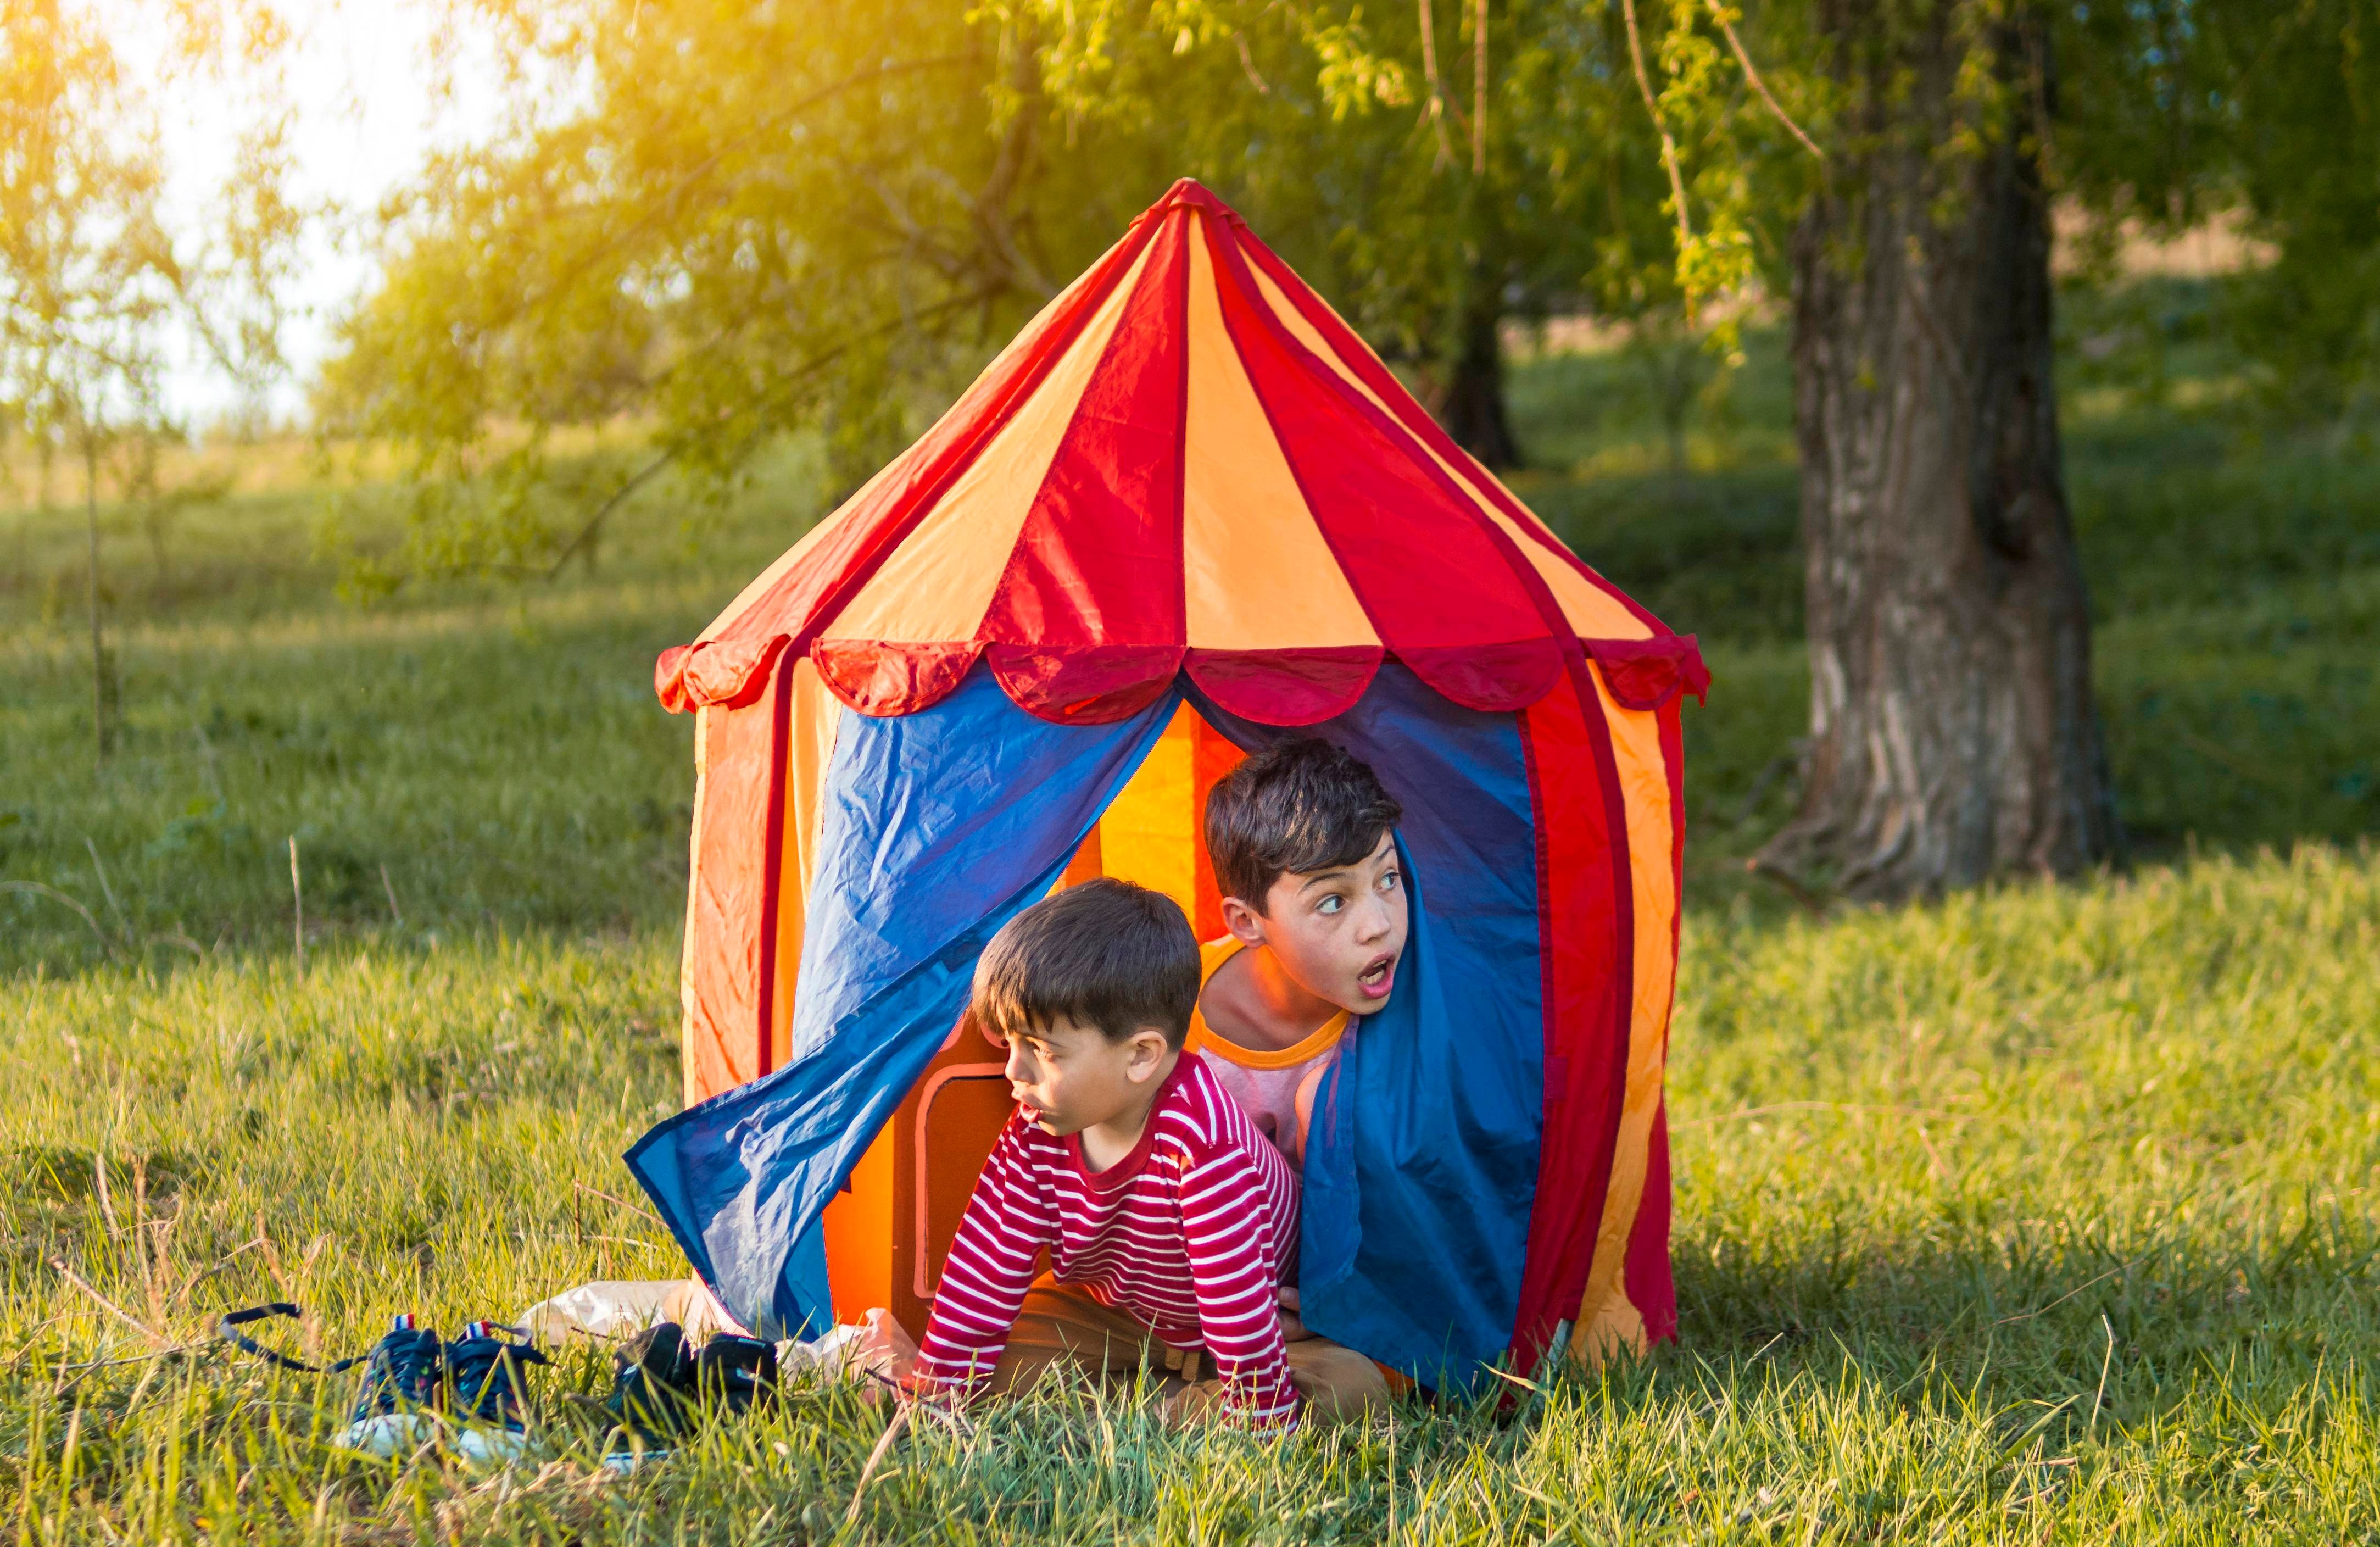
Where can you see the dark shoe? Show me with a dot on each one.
(405, 1369)
(736, 1374)
(486, 1372)
(654, 1391)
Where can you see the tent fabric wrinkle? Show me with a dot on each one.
(880, 679)
(1652, 674)
(1285, 688)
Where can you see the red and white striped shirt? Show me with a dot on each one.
(1188, 1234)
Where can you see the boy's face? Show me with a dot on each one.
(1337, 932)
(1068, 1078)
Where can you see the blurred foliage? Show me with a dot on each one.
(752, 219)
(95, 279)
(2178, 110)
(704, 226)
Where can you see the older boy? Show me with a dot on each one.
(1302, 839)
(1166, 1216)
(1300, 836)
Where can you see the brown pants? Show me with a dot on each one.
(1060, 1323)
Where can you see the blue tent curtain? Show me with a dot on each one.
(938, 828)
(1421, 1167)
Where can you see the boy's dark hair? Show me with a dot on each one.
(1105, 953)
(1299, 805)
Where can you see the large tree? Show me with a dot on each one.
(1952, 730)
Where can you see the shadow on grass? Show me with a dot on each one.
(2126, 1325)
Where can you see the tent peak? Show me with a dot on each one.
(1189, 192)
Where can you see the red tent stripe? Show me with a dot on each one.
(815, 591)
(1098, 560)
(1415, 419)
(1583, 876)
(1644, 1273)
(1387, 523)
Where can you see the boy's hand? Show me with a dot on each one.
(933, 1402)
(1192, 1405)
(1292, 1327)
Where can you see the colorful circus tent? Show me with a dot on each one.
(1187, 513)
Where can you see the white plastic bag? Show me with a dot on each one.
(613, 1308)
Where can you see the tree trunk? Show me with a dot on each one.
(1472, 407)
(1952, 731)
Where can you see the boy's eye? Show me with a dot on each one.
(1331, 904)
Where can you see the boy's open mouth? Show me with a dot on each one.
(1379, 977)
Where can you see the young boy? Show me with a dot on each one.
(1166, 1215)
(1300, 836)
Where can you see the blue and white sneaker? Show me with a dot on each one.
(404, 1378)
(485, 1372)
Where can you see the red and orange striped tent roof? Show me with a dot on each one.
(1187, 462)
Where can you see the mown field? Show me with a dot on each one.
(2040, 1215)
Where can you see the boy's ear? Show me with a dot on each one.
(1245, 922)
(1148, 1047)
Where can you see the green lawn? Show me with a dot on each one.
(2044, 1215)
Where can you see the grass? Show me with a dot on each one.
(2041, 1214)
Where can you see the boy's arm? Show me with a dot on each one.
(1008, 1220)
(1221, 1226)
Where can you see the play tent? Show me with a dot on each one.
(1185, 513)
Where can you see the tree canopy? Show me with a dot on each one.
(711, 223)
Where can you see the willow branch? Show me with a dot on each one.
(1480, 89)
(594, 523)
(792, 379)
(1248, 64)
(1436, 93)
(667, 199)
(1669, 146)
(1718, 14)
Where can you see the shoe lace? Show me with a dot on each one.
(486, 1371)
(404, 1366)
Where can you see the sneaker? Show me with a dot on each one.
(654, 1390)
(405, 1369)
(384, 1436)
(486, 1372)
(736, 1374)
